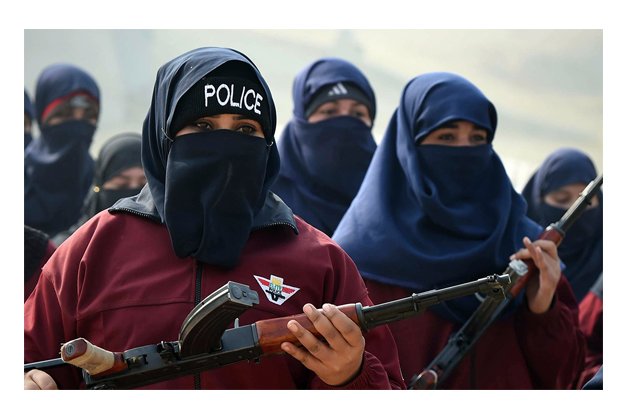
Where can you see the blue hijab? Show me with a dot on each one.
(323, 163)
(30, 111)
(582, 248)
(58, 166)
(433, 216)
(209, 215)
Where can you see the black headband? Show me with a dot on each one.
(222, 95)
(339, 90)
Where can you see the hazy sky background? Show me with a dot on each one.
(546, 84)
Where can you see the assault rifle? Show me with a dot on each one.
(491, 308)
(205, 343)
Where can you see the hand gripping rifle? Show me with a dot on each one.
(489, 310)
(205, 343)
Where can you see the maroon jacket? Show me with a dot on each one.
(117, 283)
(31, 282)
(523, 351)
(591, 324)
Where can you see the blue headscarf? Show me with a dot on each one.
(582, 248)
(430, 216)
(30, 111)
(209, 215)
(323, 163)
(58, 166)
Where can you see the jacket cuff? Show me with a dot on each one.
(372, 376)
(551, 316)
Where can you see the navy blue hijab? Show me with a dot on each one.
(173, 80)
(582, 248)
(432, 216)
(58, 166)
(30, 111)
(323, 163)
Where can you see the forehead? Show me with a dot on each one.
(570, 188)
(131, 171)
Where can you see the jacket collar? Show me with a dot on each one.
(273, 213)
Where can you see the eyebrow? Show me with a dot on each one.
(241, 117)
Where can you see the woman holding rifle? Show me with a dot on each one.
(437, 208)
(131, 274)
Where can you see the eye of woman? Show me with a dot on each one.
(248, 129)
(329, 108)
(446, 136)
(563, 199)
(62, 111)
(560, 198)
(361, 111)
(203, 125)
(479, 137)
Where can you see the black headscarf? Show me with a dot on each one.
(120, 152)
(200, 226)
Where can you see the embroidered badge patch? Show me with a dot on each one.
(275, 289)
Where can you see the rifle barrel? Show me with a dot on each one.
(584, 199)
(155, 363)
(43, 364)
(375, 315)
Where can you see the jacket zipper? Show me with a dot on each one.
(135, 212)
(290, 225)
(198, 297)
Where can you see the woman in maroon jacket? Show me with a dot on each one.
(437, 208)
(130, 275)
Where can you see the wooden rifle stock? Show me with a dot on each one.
(273, 332)
(520, 271)
(155, 363)
(92, 359)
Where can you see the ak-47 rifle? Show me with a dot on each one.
(204, 343)
(491, 308)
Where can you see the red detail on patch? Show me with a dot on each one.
(263, 281)
(287, 290)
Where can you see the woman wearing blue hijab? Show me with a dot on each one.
(58, 166)
(549, 193)
(327, 146)
(436, 208)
